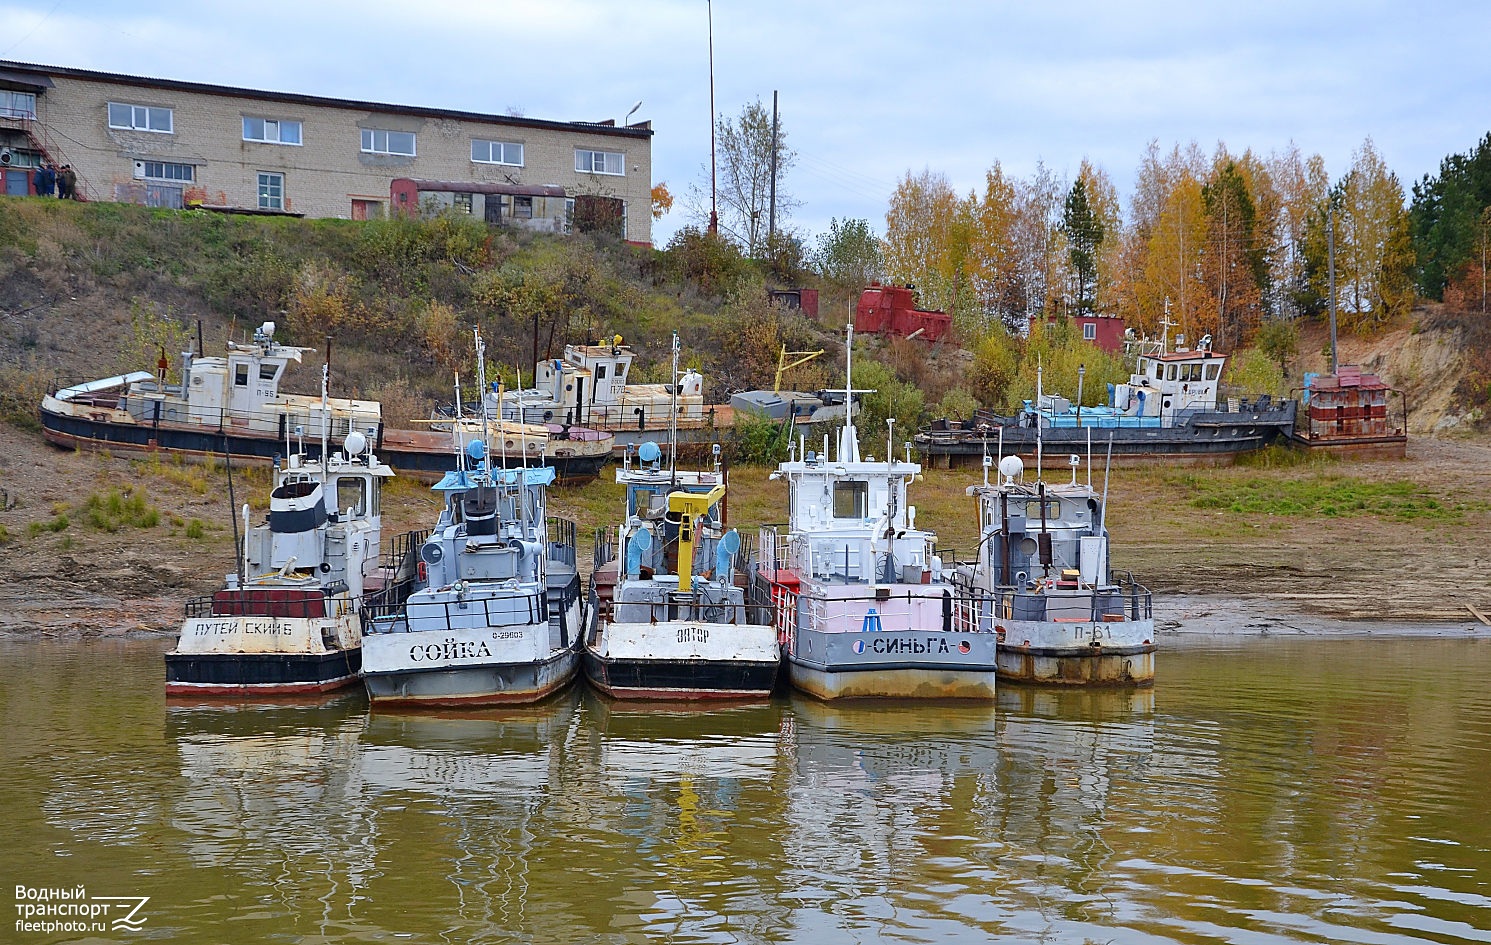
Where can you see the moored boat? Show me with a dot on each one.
(668, 620)
(1061, 614)
(495, 614)
(288, 620)
(863, 605)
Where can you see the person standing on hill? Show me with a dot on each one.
(46, 180)
(69, 183)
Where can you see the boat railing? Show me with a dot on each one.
(685, 607)
(771, 548)
(474, 612)
(284, 603)
(560, 538)
(603, 550)
(1124, 599)
(885, 610)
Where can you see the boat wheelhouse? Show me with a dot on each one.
(863, 605)
(288, 620)
(1061, 614)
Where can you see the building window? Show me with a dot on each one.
(1090, 331)
(375, 141)
(140, 118)
(162, 170)
(523, 208)
(17, 104)
(271, 131)
(496, 152)
(600, 162)
(271, 191)
(461, 202)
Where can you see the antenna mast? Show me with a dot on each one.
(714, 216)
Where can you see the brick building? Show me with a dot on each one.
(168, 143)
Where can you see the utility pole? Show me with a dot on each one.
(714, 208)
(771, 217)
(1330, 252)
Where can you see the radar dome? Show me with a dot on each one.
(355, 443)
(649, 452)
(1010, 467)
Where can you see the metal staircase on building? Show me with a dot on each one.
(44, 144)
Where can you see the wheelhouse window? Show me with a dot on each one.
(851, 499)
(271, 191)
(377, 141)
(271, 130)
(1212, 370)
(496, 152)
(140, 118)
(241, 375)
(163, 170)
(352, 494)
(1053, 510)
(600, 162)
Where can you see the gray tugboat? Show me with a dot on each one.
(495, 614)
(1060, 613)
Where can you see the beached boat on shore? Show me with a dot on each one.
(234, 404)
(1169, 408)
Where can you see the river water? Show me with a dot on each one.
(1266, 790)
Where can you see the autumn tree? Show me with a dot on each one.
(996, 282)
(1234, 256)
(1162, 243)
(662, 200)
(928, 231)
(1373, 246)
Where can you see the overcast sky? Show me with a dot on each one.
(869, 90)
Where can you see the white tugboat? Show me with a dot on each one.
(1061, 614)
(863, 606)
(496, 614)
(288, 620)
(668, 620)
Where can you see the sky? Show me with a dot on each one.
(868, 91)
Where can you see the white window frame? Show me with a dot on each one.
(190, 178)
(498, 152)
(371, 143)
(585, 162)
(1090, 331)
(272, 130)
(268, 199)
(17, 104)
(140, 118)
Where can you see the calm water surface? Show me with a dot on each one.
(1267, 790)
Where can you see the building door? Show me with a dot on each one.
(17, 183)
(367, 209)
(163, 195)
(493, 212)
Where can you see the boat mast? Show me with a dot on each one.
(673, 419)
